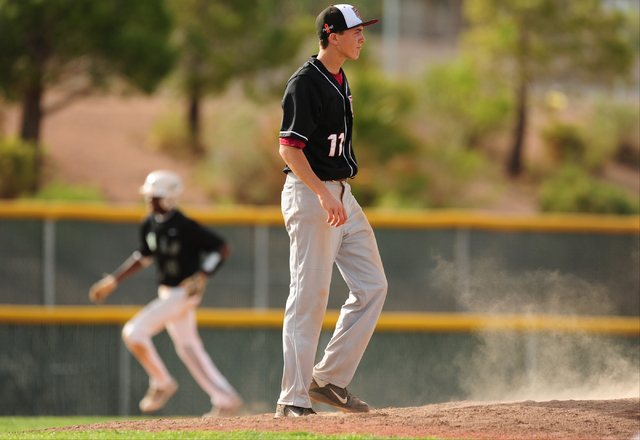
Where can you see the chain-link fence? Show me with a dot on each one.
(447, 266)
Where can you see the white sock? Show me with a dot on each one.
(321, 383)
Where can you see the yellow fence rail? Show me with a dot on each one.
(271, 215)
(404, 322)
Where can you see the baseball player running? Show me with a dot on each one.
(325, 225)
(186, 254)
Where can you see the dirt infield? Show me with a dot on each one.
(568, 419)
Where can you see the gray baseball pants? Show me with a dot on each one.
(314, 247)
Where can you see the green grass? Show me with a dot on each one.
(8, 424)
(15, 427)
(59, 190)
(213, 435)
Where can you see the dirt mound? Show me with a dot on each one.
(571, 419)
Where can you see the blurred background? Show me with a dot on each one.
(493, 105)
(503, 107)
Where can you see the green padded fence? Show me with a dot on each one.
(502, 307)
(71, 360)
(435, 261)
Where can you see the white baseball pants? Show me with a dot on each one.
(175, 311)
(314, 247)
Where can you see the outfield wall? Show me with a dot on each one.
(71, 360)
(502, 307)
(435, 261)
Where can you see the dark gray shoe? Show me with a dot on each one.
(292, 411)
(337, 397)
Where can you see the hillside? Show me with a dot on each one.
(103, 141)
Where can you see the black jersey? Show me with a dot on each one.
(177, 245)
(319, 112)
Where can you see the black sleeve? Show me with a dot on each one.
(144, 246)
(208, 240)
(301, 109)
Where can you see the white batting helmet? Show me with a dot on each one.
(166, 185)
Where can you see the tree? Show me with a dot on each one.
(531, 41)
(223, 40)
(44, 43)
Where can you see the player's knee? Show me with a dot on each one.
(131, 336)
(382, 287)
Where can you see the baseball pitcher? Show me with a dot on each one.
(325, 225)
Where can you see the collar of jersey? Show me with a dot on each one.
(161, 218)
(315, 62)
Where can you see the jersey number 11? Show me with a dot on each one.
(334, 140)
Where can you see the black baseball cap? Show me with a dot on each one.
(338, 18)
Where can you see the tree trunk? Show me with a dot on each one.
(514, 166)
(194, 124)
(32, 113)
(37, 55)
(30, 130)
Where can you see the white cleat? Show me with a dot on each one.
(225, 411)
(156, 398)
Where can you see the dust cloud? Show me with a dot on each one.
(541, 366)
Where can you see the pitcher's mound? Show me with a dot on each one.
(569, 419)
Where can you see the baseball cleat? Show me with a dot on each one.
(156, 398)
(225, 411)
(337, 397)
(292, 411)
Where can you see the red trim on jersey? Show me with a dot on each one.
(338, 78)
(292, 142)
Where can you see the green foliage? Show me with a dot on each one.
(610, 131)
(457, 175)
(59, 190)
(389, 172)
(632, 32)
(170, 135)
(572, 190)
(398, 167)
(78, 45)
(242, 164)
(565, 142)
(469, 105)
(368, 9)
(223, 40)
(615, 127)
(547, 40)
(628, 154)
(380, 106)
(585, 40)
(412, 139)
(49, 41)
(18, 173)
